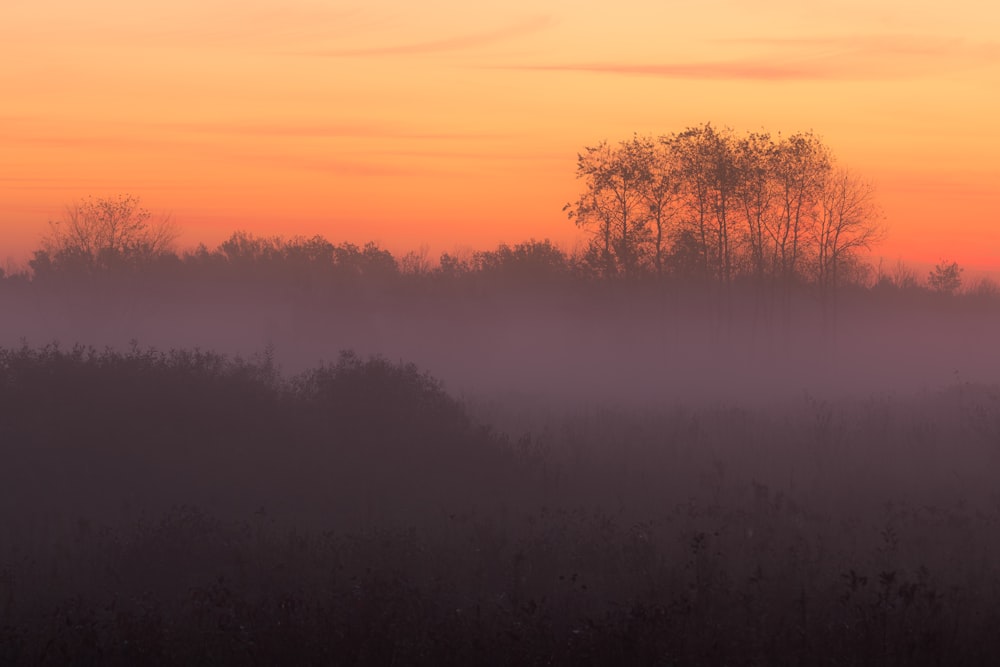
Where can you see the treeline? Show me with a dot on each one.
(310, 264)
(115, 237)
(703, 208)
(316, 263)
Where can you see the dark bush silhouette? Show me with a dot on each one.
(184, 425)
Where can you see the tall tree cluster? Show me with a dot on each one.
(711, 205)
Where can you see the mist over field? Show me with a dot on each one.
(565, 345)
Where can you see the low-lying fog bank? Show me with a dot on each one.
(561, 348)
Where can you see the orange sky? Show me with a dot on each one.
(456, 124)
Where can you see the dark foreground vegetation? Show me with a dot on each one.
(189, 508)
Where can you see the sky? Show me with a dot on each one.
(455, 126)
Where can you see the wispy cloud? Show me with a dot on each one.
(870, 57)
(454, 43)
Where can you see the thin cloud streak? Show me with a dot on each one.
(857, 58)
(459, 43)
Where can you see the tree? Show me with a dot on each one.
(661, 192)
(696, 149)
(800, 164)
(773, 210)
(613, 204)
(946, 277)
(755, 195)
(104, 233)
(901, 276)
(849, 222)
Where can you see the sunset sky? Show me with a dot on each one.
(456, 124)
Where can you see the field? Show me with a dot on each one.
(192, 508)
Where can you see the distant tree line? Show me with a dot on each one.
(701, 207)
(110, 239)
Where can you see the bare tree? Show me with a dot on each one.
(708, 172)
(660, 191)
(903, 277)
(755, 195)
(799, 167)
(613, 204)
(849, 222)
(108, 231)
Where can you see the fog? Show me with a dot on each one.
(559, 347)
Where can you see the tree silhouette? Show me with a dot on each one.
(661, 192)
(849, 222)
(613, 203)
(755, 195)
(800, 164)
(710, 176)
(740, 207)
(946, 277)
(103, 233)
